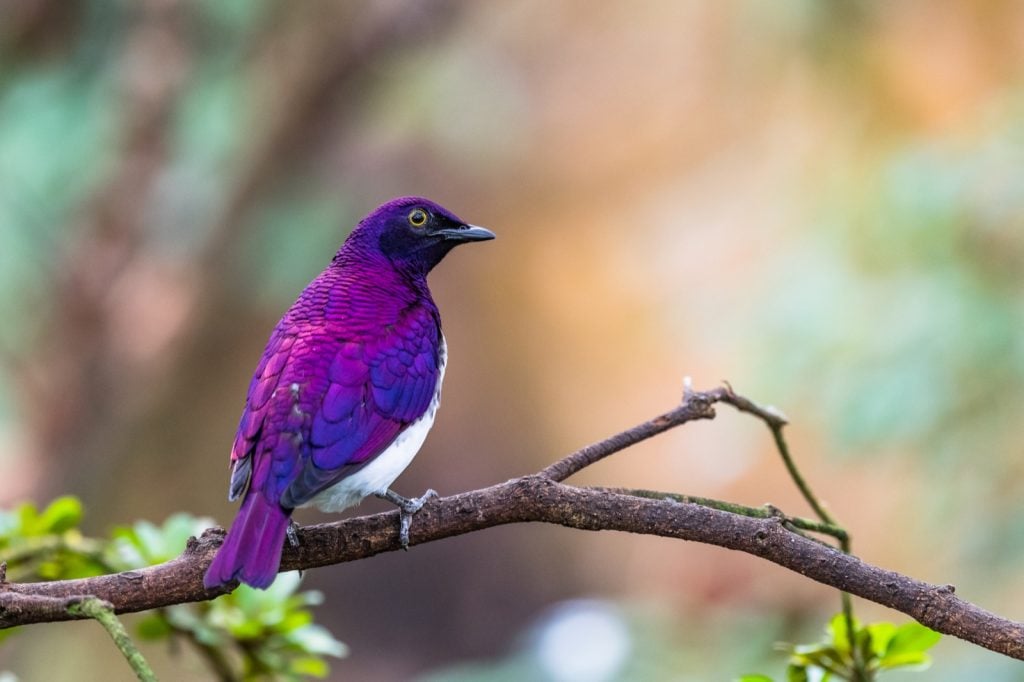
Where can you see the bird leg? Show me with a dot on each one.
(407, 507)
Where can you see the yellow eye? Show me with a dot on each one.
(417, 217)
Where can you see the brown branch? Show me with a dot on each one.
(543, 498)
(694, 406)
(776, 421)
(794, 523)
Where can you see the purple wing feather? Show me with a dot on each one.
(376, 389)
(265, 379)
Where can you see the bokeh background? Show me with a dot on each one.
(821, 202)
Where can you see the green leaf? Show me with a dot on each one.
(49, 570)
(316, 639)
(153, 626)
(839, 636)
(796, 673)
(881, 634)
(274, 625)
(815, 649)
(754, 678)
(821, 656)
(149, 540)
(312, 666)
(918, 660)
(145, 543)
(911, 637)
(176, 531)
(62, 514)
(865, 646)
(294, 620)
(28, 520)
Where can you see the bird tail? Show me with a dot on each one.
(251, 551)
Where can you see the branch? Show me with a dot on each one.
(544, 498)
(775, 421)
(103, 613)
(794, 523)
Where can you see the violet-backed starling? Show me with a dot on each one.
(346, 389)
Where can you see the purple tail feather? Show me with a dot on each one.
(251, 551)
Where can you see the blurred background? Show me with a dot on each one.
(822, 203)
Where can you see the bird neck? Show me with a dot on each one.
(368, 263)
(365, 288)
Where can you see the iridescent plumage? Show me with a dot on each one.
(351, 373)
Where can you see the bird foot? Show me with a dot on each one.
(407, 508)
(293, 533)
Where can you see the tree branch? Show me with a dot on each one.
(103, 613)
(544, 498)
(794, 523)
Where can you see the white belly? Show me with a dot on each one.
(378, 475)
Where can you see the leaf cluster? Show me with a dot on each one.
(248, 634)
(873, 649)
(47, 544)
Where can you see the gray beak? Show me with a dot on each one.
(467, 233)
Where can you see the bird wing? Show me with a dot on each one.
(376, 389)
(264, 381)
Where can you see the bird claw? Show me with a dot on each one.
(293, 536)
(407, 509)
(293, 533)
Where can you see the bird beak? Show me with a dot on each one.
(466, 233)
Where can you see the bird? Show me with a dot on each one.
(346, 389)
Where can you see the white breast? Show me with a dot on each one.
(378, 475)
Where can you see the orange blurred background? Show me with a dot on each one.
(822, 203)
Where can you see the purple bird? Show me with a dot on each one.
(347, 387)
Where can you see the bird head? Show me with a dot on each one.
(415, 233)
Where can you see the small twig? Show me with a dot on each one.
(860, 673)
(768, 414)
(775, 421)
(694, 406)
(103, 613)
(765, 512)
(798, 479)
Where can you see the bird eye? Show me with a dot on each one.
(417, 217)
